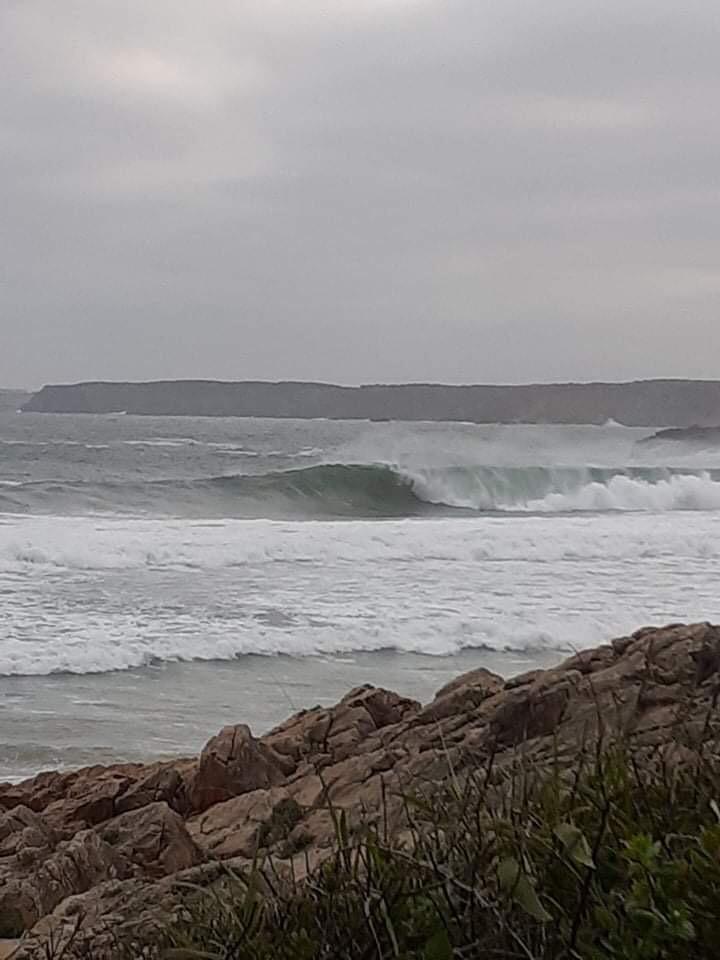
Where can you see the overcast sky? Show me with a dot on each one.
(359, 190)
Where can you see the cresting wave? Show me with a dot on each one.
(337, 490)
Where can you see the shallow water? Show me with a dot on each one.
(172, 709)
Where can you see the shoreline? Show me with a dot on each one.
(113, 841)
(73, 720)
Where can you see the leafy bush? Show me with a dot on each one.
(614, 861)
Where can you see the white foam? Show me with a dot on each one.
(98, 544)
(571, 490)
(89, 595)
(679, 492)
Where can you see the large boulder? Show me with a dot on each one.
(233, 763)
(154, 839)
(242, 826)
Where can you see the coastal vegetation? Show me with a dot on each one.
(612, 859)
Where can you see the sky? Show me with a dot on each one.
(359, 190)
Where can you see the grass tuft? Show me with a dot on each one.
(618, 861)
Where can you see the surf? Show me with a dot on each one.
(378, 490)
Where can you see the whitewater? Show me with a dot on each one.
(162, 576)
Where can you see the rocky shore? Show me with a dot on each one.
(100, 855)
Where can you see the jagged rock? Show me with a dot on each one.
(233, 763)
(361, 756)
(35, 793)
(461, 694)
(48, 787)
(38, 870)
(241, 826)
(532, 711)
(166, 782)
(23, 829)
(153, 838)
(39, 877)
(86, 805)
(93, 923)
(330, 735)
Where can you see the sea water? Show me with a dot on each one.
(161, 577)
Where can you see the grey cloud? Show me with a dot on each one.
(379, 190)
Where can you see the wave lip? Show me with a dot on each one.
(378, 490)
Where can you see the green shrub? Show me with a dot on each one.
(615, 862)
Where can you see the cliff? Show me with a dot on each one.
(103, 853)
(678, 403)
(12, 400)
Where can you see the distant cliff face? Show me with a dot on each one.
(678, 403)
(11, 400)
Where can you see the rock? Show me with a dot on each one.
(233, 763)
(21, 829)
(153, 838)
(38, 870)
(590, 661)
(86, 804)
(330, 735)
(384, 706)
(105, 844)
(48, 787)
(35, 881)
(92, 924)
(165, 782)
(482, 679)
(35, 793)
(241, 826)
(462, 694)
(532, 710)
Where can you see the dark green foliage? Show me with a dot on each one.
(616, 862)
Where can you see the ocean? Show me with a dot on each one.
(162, 577)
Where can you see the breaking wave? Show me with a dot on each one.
(339, 490)
(571, 489)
